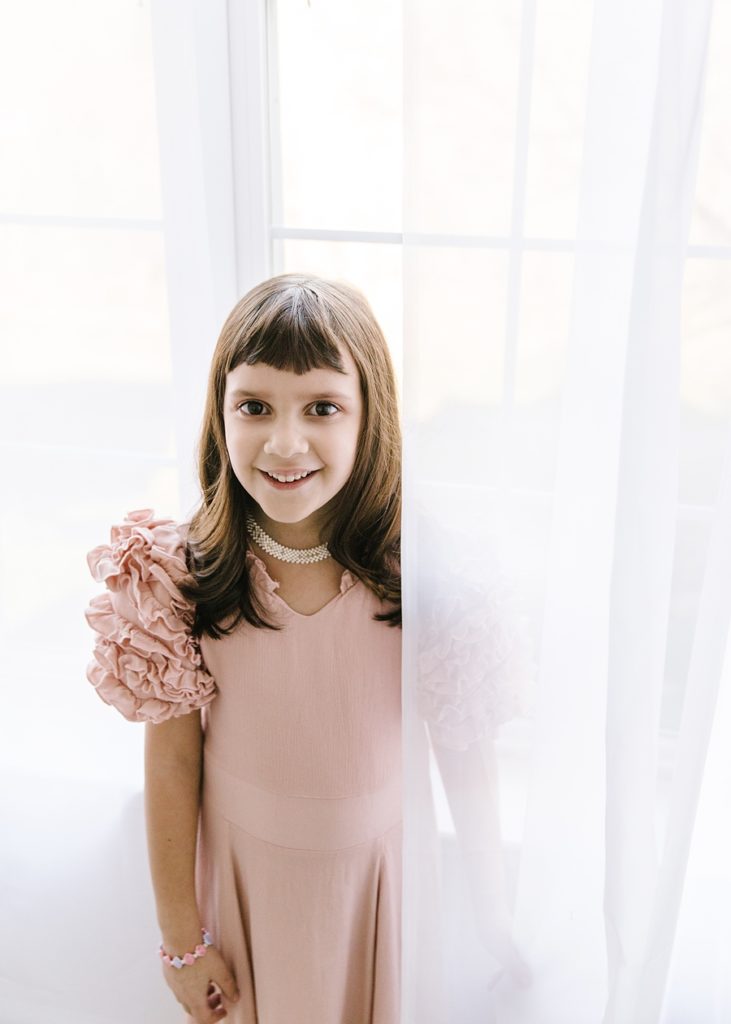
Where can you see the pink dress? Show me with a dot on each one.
(299, 852)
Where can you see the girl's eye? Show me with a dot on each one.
(250, 401)
(332, 406)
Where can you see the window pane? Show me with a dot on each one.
(560, 70)
(78, 130)
(86, 385)
(461, 97)
(336, 113)
(89, 305)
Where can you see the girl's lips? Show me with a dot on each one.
(278, 486)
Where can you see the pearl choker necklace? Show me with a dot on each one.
(277, 550)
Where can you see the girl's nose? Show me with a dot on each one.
(286, 442)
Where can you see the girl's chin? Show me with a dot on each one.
(277, 512)
(282, 505)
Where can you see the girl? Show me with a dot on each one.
(260, 642)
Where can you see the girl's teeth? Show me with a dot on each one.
(287, 479)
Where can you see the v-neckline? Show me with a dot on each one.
(347, 582)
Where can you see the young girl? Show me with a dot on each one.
(260, 642)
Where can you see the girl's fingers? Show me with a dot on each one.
(213, 996)
(225, 981)
(208, 1003)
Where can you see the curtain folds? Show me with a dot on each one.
(556, 817)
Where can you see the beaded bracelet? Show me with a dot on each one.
(188, 958)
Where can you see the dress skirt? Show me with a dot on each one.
(305, 899)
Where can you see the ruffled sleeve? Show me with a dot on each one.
(475, 666)
(146, 663)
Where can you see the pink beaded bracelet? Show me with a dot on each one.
(188, 958)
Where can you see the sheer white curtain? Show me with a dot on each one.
(594, 844)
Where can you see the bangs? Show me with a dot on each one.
(292, 332)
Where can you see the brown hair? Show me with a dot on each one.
(296, 322)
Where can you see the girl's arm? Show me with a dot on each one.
(173, 753)
(173, 762)
(471, 785)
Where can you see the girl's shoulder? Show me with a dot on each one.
(449, 551)
(141, 539)
(475, 663)
(146, 661)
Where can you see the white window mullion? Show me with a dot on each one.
(254, 171)
(208, 58)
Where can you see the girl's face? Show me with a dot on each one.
(279, 422)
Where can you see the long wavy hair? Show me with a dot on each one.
(296, 322)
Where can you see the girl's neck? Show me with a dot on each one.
(292, 535)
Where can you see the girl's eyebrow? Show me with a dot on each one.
(244, 393)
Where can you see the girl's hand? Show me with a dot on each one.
(202, 987)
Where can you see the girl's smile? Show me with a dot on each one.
(288, 479)
(292, 441)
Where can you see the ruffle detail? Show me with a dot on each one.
(475, 667)
(347, 580)
(267, 587)
(146, 663)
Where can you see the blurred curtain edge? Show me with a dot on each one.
(597, 896)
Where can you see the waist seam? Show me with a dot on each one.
(316, 850)
(218, 766)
